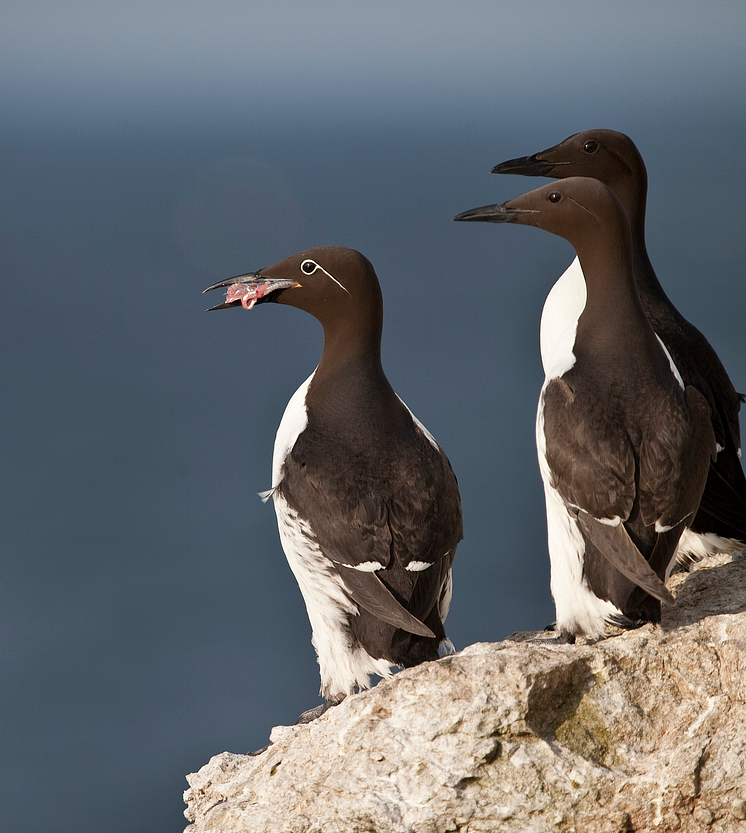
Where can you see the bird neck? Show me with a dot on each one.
(613, 311)
(351, 342)
(632, 192)
(349, 385)
(648, 285)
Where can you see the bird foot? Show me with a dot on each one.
(563, 637)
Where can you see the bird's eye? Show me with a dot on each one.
(590, 146)
(554, 197)
(308, 267)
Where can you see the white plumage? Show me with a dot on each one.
(342, 662)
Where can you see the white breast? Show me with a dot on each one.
(292, 425)
(559, 321)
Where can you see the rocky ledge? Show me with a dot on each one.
(641, 731)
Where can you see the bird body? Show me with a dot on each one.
(623, 447)
(367, 504)
(612, 157)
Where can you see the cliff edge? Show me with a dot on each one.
(641, 731)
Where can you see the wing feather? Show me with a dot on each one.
(408, 510)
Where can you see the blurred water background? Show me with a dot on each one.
(148, 617)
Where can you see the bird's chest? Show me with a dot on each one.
(559, 321)
(363, 451)
(293, 423)
(345, 471)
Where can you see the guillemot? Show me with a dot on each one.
(613, 158)
(367, 504)
(624, 447)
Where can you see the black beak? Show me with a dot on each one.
(253, 288)
(526, 166)
(244, 279)
(493, 214)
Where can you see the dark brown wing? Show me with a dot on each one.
(592, 464)
(674, 462)
(406, 513)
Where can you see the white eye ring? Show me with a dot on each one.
(308, 267)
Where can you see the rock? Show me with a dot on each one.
(643, 731)
(739, 808)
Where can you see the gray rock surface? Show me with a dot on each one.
(641, 731)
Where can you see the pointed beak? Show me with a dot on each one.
(527, 166)
(249, 289)
(500, 213)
